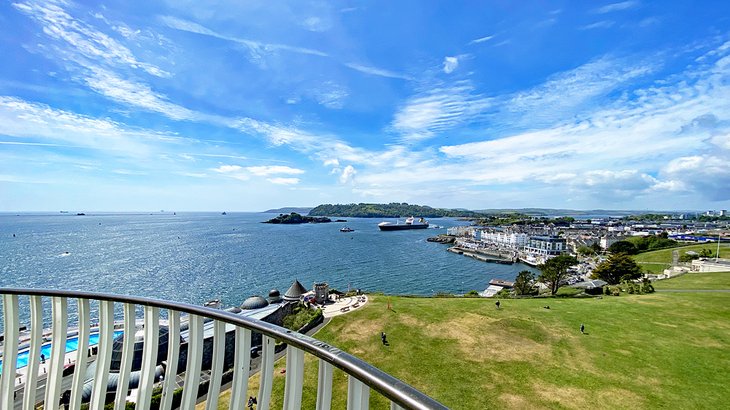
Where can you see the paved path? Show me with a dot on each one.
(344, 305)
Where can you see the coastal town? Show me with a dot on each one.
(535, 240)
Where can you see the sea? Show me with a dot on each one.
(196, 257)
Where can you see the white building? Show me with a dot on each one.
(510, 240)
(607, 241)
(545, 245)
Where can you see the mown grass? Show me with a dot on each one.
(640, 351)
(697, 281)
(657, 261)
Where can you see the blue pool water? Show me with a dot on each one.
(72, 345)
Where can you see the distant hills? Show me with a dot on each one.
(392, 210)
(289, 209)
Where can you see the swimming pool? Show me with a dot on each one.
(72, 345)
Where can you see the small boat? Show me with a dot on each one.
(223, 213)
(410, 223)
(347, 229)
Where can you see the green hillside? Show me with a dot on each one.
(392, 210)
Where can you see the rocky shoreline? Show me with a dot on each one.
(295, 218)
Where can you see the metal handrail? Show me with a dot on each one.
(392, 388)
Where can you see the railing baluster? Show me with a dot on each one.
(242, 365)
(10, 350)
(125, 364)
(58, 351)
(77, 384)
(324, 386)
(267, 372)
(216, 371)
(195, 359)
(394, 406)
(104, 355)
(149, 356)
(358, 394)
(173, 353)
(294, 378)
(36, 333)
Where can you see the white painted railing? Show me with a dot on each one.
(28, 387)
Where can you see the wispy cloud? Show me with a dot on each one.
(377, 71)
(619, 6)
(437, 110)
(254, 46)
(284, 181)
(266, 170)
(28, 120)
(81, 38)
(481, 39)
(598, 24)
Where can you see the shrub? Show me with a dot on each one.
(472, 294)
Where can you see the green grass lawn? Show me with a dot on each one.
(703, 281)
(665, 350)
(657, 261)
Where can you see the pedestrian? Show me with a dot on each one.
(251, 402)
(582, 328)
(383, 338)
(497, 304)
(43, 358)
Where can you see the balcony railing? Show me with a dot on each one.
(64, 381)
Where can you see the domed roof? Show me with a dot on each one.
(254, 302)
(274, 296)
(295, 292)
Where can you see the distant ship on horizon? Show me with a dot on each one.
(410, 223)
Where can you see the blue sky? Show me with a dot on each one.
(231, 105)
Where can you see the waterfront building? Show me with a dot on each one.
(545, 246)
(512, 240)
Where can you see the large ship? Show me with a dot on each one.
(410, 223)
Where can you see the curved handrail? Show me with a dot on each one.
(392, 388)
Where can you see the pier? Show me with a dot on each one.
(482, 255)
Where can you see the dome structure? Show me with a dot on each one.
(295, 292)
(274, 296)
(118, 344)
(254, 302)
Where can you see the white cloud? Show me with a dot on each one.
(316, 24)
(619, 6)
(347, 174)
(377, 71)
(284, 181)
(481, 39)
(273, 169)
(331, 162)
(450, 64)
(22, 119)
(438, 110)
(227, 169)
(131, 93)
(256, 48)
(598, 24)
(82, 39)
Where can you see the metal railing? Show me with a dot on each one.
(16, 393)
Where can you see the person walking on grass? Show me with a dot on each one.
(582, 329)
(497, 304)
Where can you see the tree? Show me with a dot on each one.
(555, 270)
(585, 250)
(617, 268)
(623, 247)
(525, 283)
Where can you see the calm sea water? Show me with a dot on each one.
(200, 256)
